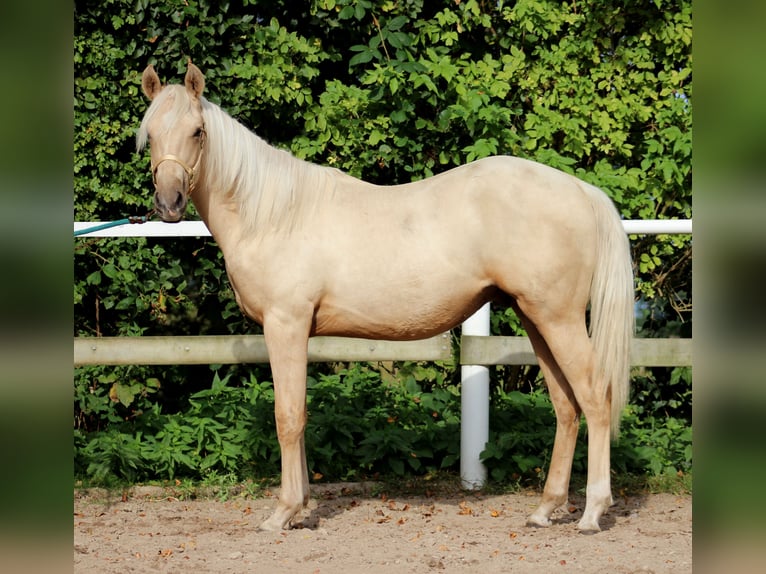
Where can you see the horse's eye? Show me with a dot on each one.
(198, 133)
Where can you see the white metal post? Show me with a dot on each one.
(474, 408)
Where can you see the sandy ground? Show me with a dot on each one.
(348, 529)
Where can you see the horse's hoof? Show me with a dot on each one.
(272, 525)
(539, 521)
(588, 527)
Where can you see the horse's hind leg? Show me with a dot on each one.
(572, 351)
(567, 358)
(567, 424)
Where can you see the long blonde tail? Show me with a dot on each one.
(611, 305)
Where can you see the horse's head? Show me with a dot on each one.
(175, 128)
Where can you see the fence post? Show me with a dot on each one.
(474, 408)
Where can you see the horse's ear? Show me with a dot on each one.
(150, 82)
(195, 81)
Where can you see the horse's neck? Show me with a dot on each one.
(284, 194)
(221, 216)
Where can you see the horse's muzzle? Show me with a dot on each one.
(170, 209)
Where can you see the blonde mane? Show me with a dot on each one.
(274, 189)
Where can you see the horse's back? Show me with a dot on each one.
(505, 208)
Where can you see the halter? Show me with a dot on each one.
(189, 170)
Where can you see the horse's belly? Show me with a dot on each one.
(398, 315)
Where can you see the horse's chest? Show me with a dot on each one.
(279, 281)
(246, 288)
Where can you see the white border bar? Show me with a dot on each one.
(199, 229)
(148, 229)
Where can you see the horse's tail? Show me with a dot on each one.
(611, 306)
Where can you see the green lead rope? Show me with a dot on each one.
(131, 219)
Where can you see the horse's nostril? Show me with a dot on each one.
(179, 199)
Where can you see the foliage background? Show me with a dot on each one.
(390, 91)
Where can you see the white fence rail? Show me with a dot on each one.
(478, 349)
(199, 229)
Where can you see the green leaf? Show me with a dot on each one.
(109, 270)
(123, 393)
(361, 58)
(346, 12)
(397, 466)
(396, 23)
(94, 278)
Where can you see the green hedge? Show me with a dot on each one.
(391, 92)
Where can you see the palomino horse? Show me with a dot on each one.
(311, 250)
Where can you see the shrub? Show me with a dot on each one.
(389, 91)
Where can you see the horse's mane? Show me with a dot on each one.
(273, 189)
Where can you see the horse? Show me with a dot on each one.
(310, 250)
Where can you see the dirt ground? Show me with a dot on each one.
(350, 528)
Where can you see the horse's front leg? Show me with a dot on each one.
(288, 348)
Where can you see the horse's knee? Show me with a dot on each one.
(291, 426)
